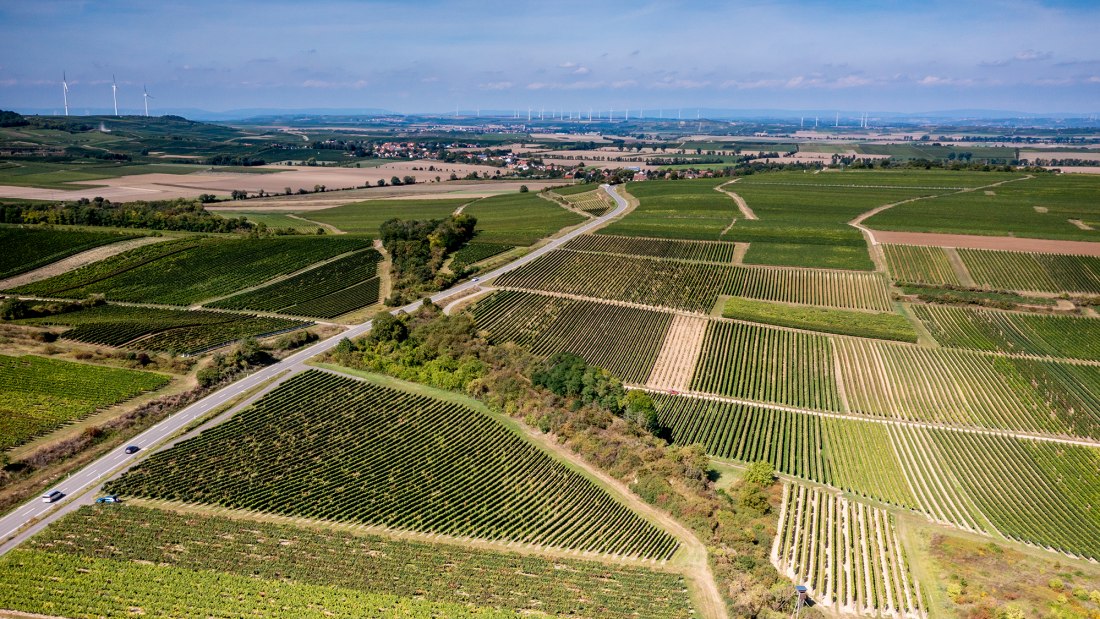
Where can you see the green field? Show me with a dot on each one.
(473, 253)
(333, 447)
(696, 251)
(26, 249)
(438, 573)
(1075, 337)
(885, 326)
(38, 395)
(1010, 270)
(519, 219)
(275, 221)
(195, 269)
(79, 174)
(366, 217)
(920, 265)
(156, 329)
(686, 209)
(1009, 211)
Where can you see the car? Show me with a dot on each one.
(53, 496)
(476, 279)
(110, 498)
(132, 449)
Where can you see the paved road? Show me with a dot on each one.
(14, 527)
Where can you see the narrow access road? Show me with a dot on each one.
(34, 515)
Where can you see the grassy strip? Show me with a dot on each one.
(957, 295)
(862, 324)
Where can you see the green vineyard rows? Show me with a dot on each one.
(476, 252)
(595, 202)
(323, 292)
(702, 251)
(146, 328)
(847, 553)
(1075, 337)
(358, 561)
(677, 210)
(920, 265)
(27, 249)
(189, 271)
(38, 395)
(1008, 270)
(624, 340)
(331, 447)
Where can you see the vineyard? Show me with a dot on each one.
(887, 326)
(27, 249)
(846, 553)
(38, 395)
(920, 265)
(1074, 337)
(473, 253)
(327, 291)
(701, 251)
(677, 210)
(191, 270)
(519, 219)
(595, 202)
(362, 562)
(147, 328)
(963, 388)
(331, 447)
(767, 365)
(624, 340)
(366, 217)
(692, 286)
(1007, 270)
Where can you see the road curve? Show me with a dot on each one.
(29, 518)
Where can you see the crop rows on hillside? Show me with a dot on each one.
(147, 328)
(848, 554)
(624, 340)
(1009, 270)
(331, 447)
(476, 252)
(964, 388)
(702, 251)
(323, 292)
(38, 395)
(26, 249)
(1075, 337)
(359, 561)
(920, 265)
(692, 286)
(767, 365)
(595, 202)
(192, 270)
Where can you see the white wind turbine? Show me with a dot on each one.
(65, 91)
(114, 93)
(146, 96)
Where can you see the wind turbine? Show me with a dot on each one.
(65, 91)
(145, 94)
(114, 93)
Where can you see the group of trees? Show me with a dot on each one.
(178, 214)
(418, 249)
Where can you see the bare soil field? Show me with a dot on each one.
(1003, 243)
(676, 362)
(1061, 154)
(1078, 169)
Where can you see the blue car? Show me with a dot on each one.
(131, 449)
(110, 498)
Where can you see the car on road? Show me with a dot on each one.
(132, 449)
(52, 496)
(476, 279)
(110, 498)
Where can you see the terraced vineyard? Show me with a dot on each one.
(1075, 337)
(767, 365)
(920, 265)
(192, 270)
(38, 395)
(360, 562)
(702, 251)
(26, 249)
(1007, 270)
(146, 328)
(847, 553)
(332, 447)
(963, 388)
(476, 252)
(691, 286)
(332, 289)
(624, 340)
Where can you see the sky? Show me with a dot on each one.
(908, 56)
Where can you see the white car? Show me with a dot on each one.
(53, 496)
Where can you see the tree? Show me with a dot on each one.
(760, 474)
(385, 327)
(523, 189)
(409, 180)
(381, 182)
(639, 408)
(395, 181)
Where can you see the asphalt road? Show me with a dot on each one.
(34, 515)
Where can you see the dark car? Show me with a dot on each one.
(132, 449)
(110, 498)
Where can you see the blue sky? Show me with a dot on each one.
(911, 56)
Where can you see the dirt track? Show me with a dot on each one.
(1004, 243)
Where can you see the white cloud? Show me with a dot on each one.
(1029, 55)
(496, 86)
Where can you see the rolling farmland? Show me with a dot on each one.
(327, 291)
(366, 217)
(1075, 337)
(193, 270)
(26, 249)
(677, 210)
(594, 202)
(39, 394)
(847, 553)
(518, 219)
(146, 328)
(416, 464)
(624, 340)
(357, 561)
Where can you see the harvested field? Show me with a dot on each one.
(675, 363)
